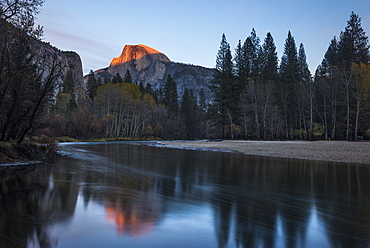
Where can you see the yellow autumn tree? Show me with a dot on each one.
(361, 84)
(127, 112)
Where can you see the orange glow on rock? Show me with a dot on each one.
(134, 52)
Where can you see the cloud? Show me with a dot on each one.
(94, 51)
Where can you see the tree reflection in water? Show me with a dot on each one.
(30, 202)
(255, 201)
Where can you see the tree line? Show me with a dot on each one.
(255, 98)
(116, 107)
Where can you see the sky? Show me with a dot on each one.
(190, 31)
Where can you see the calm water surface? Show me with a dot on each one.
(132, 195)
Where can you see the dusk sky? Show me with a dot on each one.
(190, 31)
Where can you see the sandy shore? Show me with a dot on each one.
(335, 151)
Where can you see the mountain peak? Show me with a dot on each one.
(136, 52)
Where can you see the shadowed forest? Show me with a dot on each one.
(254, 94)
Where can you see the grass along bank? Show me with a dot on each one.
(12, 153)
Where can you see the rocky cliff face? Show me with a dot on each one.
(70, 61)
(45, 54)
(147, 65)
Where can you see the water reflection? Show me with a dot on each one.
(30, 201)
(218, 199)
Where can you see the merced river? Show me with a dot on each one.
(136, 194)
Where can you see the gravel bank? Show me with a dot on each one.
(335, 151)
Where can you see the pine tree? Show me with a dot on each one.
(92, 85)
(336, 79)
(149, 90)
(304, 72)
(189, 112)
(72, 104)
(353, 44)
(68, 84)
(353, 47)
(306, 95)
(142, 88)
(330, 62)
(249, 58)
(257, 55)
(224, 64)
(68, 88)
(331, 55)
(328, 93)
(106, 80)
(289, 69)
(248, 52)
(226, 97)
(127, 78)
(202, 101)
(240, 69)
(289, 77)
(170, 95)
(117, 79)
(254, 38)
(270, 59)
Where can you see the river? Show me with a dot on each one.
(135, 194)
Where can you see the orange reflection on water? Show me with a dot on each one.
(129, 222)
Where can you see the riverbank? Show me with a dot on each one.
(12, 154)
(334, 151)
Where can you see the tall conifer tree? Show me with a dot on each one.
(289, 70)
(289, 77)
(270, 59)
(331, 55)
(127, 78)
(68, 84)
(306, 95)
(248, 58)
(170, 95)
(92, 85)
(304, 72)
(353, 44)
(257, 56)
(225, 89)
(190, 114)
(328, 85)
(117, 79)
(240, 67)
(353, 47)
